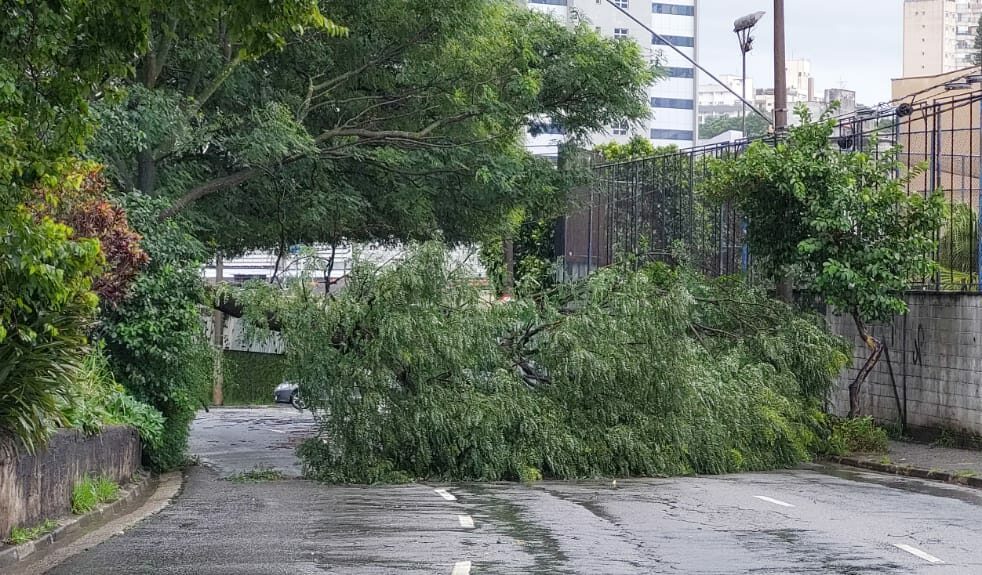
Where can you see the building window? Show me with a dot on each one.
(677, 103)
(673, 9)
(680, 72)
(620, 129)
(684, 41)
(671, 135)
(620, 32)
(621, 4)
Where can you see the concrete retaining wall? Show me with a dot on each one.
(936, 352)
(38, 487)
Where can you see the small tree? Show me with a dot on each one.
(843, 223)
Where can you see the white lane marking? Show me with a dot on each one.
(461, 568)
(915, 551)
(275, 430)
(774, 501)
(466, 521)
(445, 494)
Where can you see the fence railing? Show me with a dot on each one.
(654, 208)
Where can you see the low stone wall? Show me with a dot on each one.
(936, 353)
(38, 487)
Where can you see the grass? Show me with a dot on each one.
(858, 435)
(92, 491)
(256, 475)
(21, 535)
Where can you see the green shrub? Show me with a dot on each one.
(857, 435)
(155, 338)
(249, 378)
(91, 491)
(21, 535)
(97, 400)
(46, 307)
(650, 372)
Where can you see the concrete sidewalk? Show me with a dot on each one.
(925, 461)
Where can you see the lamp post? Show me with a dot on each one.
(743, 27)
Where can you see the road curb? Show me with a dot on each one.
(910, 471)
(143, 485)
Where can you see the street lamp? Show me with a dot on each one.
(743, 26)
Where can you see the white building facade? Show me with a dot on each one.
(673, 99)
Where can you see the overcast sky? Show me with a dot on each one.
(854, 44)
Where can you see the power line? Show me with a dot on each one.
(686, 56)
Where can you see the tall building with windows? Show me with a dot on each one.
(939, 35)
(673, 99)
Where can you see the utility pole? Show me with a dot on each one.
(785, 290)
(218, 337)
(780, 71)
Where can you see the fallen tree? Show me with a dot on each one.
(650, 372)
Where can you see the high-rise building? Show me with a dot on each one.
(939, 35)
(673, 99)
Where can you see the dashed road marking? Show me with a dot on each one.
(917, 552)
(275, 430)
(461, 568)
(774, 501)
(466, 521)
(445, 494)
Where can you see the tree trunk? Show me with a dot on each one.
(146, 166)
(875, 347)
(218, 333)
(785, 290)
(508, 284)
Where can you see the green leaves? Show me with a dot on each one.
(843, 222)
(411, 375)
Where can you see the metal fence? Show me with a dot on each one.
(653, 208)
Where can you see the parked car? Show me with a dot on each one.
(288, 392)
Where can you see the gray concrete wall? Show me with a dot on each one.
(38, 487)
(936, 353)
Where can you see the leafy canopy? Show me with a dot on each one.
(409, 125)
(844, 222)
(410, 374)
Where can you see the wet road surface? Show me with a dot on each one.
(233, 440)
(811, 520)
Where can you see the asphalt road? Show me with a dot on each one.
(234, 440)
(810, 520)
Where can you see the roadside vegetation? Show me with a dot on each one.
(21, 535)
(856, 435)
(88, 493)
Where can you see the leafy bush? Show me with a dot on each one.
(21, 535)
(249, 378)
(46, 308)
(81, 201)
(857, 435)
(629, 373)
(92, 491)
(155, 337)
(96, 400)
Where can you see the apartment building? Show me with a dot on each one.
(674, 99)
(939, 35)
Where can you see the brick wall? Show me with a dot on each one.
(936, 353)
